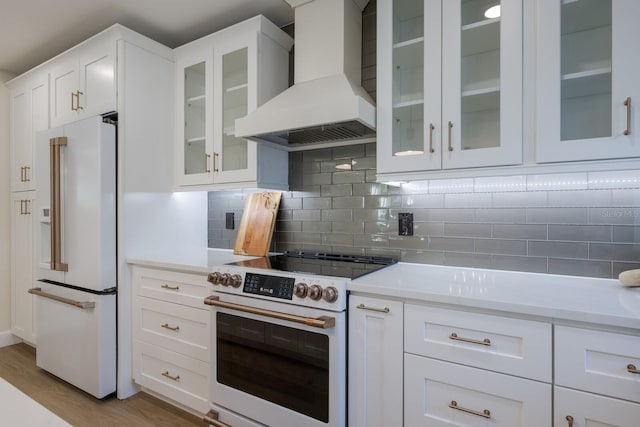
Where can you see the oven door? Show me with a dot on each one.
(273, 369)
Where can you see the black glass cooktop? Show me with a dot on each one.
(348, 266)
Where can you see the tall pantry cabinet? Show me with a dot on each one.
(29, 113)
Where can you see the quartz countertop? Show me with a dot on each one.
(568, 298)
(198, 262)
(557, 298)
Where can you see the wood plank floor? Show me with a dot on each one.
(18, 367)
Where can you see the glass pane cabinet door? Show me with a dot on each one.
(587, 68)
(195, 155)
(482, 83)
(408, 78)
(234, 155)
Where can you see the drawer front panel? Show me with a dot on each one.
(598, 361)
(588, 409)
(512, 346)
(441, 394)
(171, 286)
(181, 378)
(179, 328)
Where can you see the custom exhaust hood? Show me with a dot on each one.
(326, 102)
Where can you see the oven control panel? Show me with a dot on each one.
(272, 286)
(312, 291)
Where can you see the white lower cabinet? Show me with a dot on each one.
(606, 366)
(171, 335)
(440, 393)
(375, 362)
(475, 369)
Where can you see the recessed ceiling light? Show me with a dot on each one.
(492, 12)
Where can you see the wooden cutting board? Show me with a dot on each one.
(257, 223)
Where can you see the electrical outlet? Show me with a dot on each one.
(229, 221)
(405, 224)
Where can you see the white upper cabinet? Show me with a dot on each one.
(83, 82)
(220, 78)
(449, 84)
(587, 80)
(29, 114)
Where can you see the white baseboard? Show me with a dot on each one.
(7, 338)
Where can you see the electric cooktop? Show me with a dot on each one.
(346, 266)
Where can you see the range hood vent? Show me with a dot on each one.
(327, 102)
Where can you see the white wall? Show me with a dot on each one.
(5, 276)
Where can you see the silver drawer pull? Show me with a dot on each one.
(171, 328)
(632, 369)
(484, 414)
(381, 310)
(171, 377)
(171, 288)
(455, 336)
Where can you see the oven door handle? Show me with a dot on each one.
(322, 322)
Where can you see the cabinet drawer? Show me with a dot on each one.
(171, 286)
(178, 377)
(175, 327)
(598, 361)
(588, 409)
(512, 346)
(444, 394)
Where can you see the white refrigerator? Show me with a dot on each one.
(76, 268)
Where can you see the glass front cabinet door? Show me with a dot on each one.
(449, 84)
(588, 63)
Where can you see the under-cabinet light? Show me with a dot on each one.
(492, 12)
(408, 153)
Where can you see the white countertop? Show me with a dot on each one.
(200, 262)
(571, 298)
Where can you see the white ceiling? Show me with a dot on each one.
(32, 31)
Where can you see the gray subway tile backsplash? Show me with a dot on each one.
(575, 224)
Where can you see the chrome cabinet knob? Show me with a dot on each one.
(236, 280)
(300, 290)
(315, 292)
(330, 294)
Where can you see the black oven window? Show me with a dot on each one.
(283, 365)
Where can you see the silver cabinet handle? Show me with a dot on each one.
(80, 304)
(171, 377)
(450, 125)
(171, 328)
(381, 310)
(455, 337)
(484, 414)
(431, 128)
(627, 103)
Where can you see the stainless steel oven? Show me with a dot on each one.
(279, 343)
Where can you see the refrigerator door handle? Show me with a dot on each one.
(80, 304)
(56, 236)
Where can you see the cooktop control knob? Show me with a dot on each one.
(330, 294)
(226, 279)
(236, 280)
(315, 292)
(300, 290)
(214, 278)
